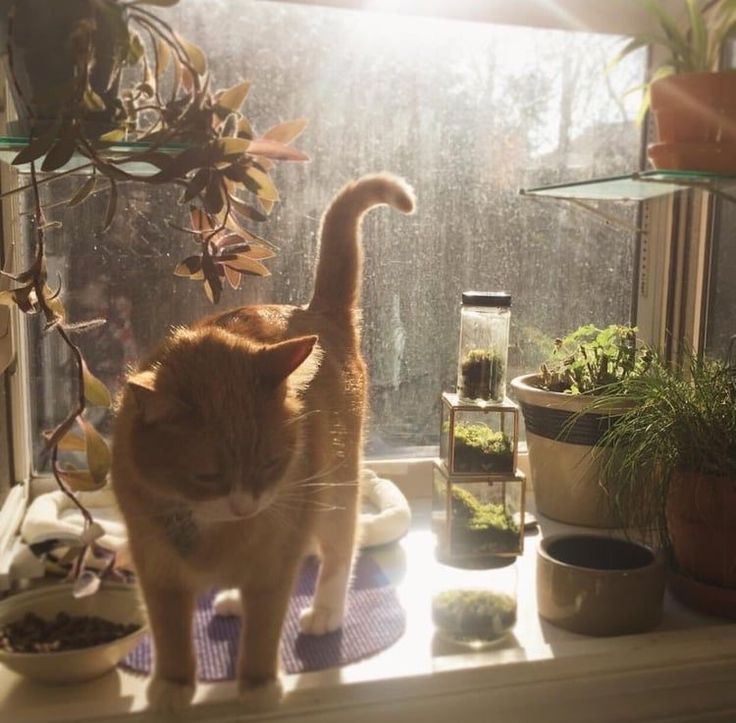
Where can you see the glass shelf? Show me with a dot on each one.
(10, 146)
(635, 187)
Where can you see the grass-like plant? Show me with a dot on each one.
(589, 360)
(679, 419)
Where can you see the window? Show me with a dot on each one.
(467, 112)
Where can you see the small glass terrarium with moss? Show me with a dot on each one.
(478, 439)
(475, 607)
(483, 350)
(477, 517)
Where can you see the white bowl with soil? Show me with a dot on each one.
(599, 585)
(50, 636)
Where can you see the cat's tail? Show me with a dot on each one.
(337, 284)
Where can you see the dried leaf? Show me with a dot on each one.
(245, 130)
(194, 54)
(286, 132)
(85, 190)
(98, 453)
(275, 150)
(88, 583)
(95, 392)
(91, 101)
(233, 98)
(136, 49)
(190, 268)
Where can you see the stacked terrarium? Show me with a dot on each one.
(478, 492)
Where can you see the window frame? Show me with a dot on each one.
(669, 296)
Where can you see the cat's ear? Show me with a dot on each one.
(299, 357)
(153, 404)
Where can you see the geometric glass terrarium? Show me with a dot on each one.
(477, 516)
(479, 438)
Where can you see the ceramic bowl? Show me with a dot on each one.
(115, 602)
(599, 585)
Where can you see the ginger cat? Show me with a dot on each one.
(237, 446)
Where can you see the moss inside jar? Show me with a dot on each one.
(478, 448)
(481, 528)
(473, 616)
(482, 375)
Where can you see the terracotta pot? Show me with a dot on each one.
(701, 520)
(695, 115)
(564, 465)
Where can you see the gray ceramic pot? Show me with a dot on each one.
(599, 585)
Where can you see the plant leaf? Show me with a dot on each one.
(162, 55)
(286, 132)
(266, 190)
(234, 97)
(85, 190)
(88, 583)
(196, 185)
(112, 204)
(38, 146)
(62, 150)
(246, 210)
(248, 265)
(275, 150)
(190, 268)
(95, 392)
(72, 441)
(78, 480)
(98, 453)
(233, 277)
(199, 219)
(196, 57)
(233, 146)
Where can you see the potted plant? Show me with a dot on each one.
(562, 433)
(160, 123)
(478, 448)
(671, 459)
(693, 103)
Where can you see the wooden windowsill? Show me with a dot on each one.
(684, 670)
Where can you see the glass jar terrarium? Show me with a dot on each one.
(475, 607)
(477, 517)
(478, 438)
(484, 341)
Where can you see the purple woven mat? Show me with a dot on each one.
(374, 621)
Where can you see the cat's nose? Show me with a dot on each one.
(243, 504)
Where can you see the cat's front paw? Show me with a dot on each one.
(168, 696)
(227, 602)
(320, 620)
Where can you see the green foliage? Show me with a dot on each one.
(681, 418)
(589, 360)
(694, 46)
(482, 372)
(478, 448)
(473, 614)
(481, 528)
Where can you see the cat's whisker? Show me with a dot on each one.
(299, 418)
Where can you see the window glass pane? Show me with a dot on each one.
(468, 113)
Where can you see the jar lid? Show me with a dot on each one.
(486, 298)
